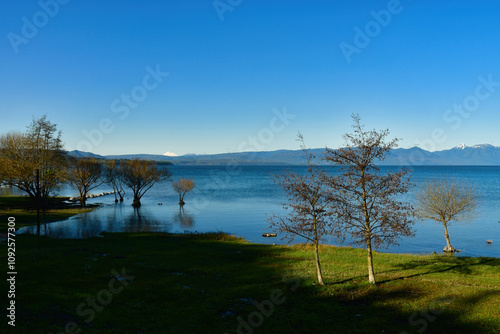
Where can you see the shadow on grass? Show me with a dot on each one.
(214, 283)
(441, 264)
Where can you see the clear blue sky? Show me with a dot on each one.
(233, 65)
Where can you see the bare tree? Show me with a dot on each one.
(365, 198)
(85, 174)
(113, 177)
(45, 145)
(141, 175)
(308, 200)
(16, 165)
(182, 187)
(447, 200)
(40, 148)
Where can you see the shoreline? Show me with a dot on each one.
(28, 218)
(22, 208)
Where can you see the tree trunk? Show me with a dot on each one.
(318, 266)
(448, 247)
(33, 197)
(136, 203)
(368, 237)
(82, 197)
(38, 203)
(371, 273)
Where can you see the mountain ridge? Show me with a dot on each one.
(477, 155)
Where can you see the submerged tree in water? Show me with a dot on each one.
(85, 174)
(141, 175)
(445, 201)
(113, 177)
(182, 187)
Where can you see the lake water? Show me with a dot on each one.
(238, 201)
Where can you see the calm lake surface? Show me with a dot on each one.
(238, 201)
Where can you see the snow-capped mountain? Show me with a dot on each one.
(481, 154)
(483, 146)
(170, 154)
(477, 155)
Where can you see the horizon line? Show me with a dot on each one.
(461, 145)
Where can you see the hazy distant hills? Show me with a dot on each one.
(479, 155)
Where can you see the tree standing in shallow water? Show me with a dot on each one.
(85, 174)
(444, 201)
(182, 187)
(114, 178)
(140, 176)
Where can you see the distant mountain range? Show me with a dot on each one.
(478, 155)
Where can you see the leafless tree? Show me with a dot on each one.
(39, 148)
(365, 198)
(182, 187)
(85, 174)
(113, 177)
(17, 167)
(46, 148)
(308, 200)
(446, 200)
(141, 175)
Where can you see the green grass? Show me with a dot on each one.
(203, 283)
(23, 209)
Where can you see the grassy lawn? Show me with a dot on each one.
(208, 283)
(23, 209)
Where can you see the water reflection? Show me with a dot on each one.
(109, 218)
(142, 220)
(240, 204)
(184, 219)
(88, 226)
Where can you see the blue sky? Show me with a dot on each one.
(223, 76)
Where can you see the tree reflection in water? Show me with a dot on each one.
(184, 219)
(141, 220)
